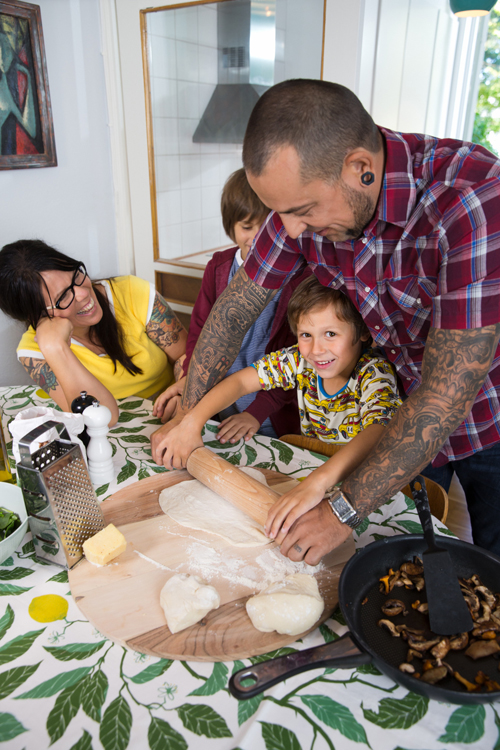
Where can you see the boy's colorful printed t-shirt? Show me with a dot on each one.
(369, 397)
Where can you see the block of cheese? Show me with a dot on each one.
(105, 545)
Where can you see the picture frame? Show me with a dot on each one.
(26, 127)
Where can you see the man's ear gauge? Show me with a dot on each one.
(367, 178)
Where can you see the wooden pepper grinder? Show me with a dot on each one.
(78, 406)
(99, 451)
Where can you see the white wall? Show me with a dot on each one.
(70, 206)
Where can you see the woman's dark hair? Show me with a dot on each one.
(21, 294)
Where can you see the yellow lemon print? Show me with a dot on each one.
(41, 394)
(48, 608)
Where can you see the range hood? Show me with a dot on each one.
(246, 39)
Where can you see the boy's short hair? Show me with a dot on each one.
(311, 294)
(238, 202)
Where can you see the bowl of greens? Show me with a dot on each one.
(13, 519)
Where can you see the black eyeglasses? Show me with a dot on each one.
(66, 298)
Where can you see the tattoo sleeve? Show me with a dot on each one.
(219, 342)
(40, 372)
(164, 326)
(453, 370)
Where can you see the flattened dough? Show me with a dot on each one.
(290, 607)
(193, 505)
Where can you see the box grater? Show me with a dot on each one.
(62, 506)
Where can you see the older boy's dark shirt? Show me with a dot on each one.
(430, 257)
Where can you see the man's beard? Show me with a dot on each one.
(362, 206)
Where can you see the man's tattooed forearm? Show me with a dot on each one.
(454, 368)
(220, 340)
(41, 374)
(163, 327)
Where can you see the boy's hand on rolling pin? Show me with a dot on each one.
(236, 427)
(173, 448)
(294, 504)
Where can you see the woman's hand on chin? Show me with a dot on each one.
(53, 332)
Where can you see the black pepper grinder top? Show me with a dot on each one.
(78, 406)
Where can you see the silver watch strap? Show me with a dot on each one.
(341, 507)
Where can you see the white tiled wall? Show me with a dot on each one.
(183, 64)
(189, 176)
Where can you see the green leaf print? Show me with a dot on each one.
(7, 589)
(217, 681)
(336, 716)
(12, 678)
(126, 416)
(203, 720)
(94, 692)
(251, 454)
(135, 439)
(398, 714)
(74, 650)
(65, 708)
(161, 736)
(273, 654)
(212, 428)
(234, 459)
(131, 405)
(55, 684)
(61, 577)
(237, 665)
(154, 670)
(116, 723)
(279, 738)
(285, 453)
(247, 708)
(368, 669)
(6, 620)
(84, 743)
(7, 563)
(102, 490)
(466, 724)
(328, 634)
(10, 727)
(128, 471)
(218, 446)
(411, 527)
(362, 527)
(128, 430)
(18, 646)
(15, 574)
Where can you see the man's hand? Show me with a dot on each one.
(236, 427)
(314, 534)
(173, 443)
(293, 504)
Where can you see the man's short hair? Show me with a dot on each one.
(312, 295)
(323, 121)
(239, 202)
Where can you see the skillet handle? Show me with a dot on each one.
(340, 653)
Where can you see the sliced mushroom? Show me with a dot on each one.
(419, 583)
(441, 649)
(459, 642)
(480, 649)
(411, 654)
(412, 568)
(393, 607)
(419, 645)
(484, 627)
(473, 603)
(408, 668)
(431, 676)
(487, 595)
(389, 626)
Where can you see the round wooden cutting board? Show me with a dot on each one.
(122, 599)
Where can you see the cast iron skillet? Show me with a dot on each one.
(360, 602)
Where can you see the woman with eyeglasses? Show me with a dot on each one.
(112, 338)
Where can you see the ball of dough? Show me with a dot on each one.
(290, 606)
(186, 600)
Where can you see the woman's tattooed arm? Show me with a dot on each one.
(40, 373)
(164, 327)
(220, 340)
(453, 370)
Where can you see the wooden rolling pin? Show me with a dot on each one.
(239, 489)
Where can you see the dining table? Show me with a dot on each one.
(65, 685)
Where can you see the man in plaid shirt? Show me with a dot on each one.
(408, 226)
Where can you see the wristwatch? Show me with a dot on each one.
(341, 506)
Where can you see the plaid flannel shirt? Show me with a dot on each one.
(430, 257)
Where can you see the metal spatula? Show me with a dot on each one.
(448, 612)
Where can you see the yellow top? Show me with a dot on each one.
(131, 300)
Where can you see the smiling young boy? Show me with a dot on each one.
(347, 392)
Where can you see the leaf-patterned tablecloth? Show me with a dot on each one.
(65, 686)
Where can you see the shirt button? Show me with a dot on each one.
(364, 240)
(393, 351)
(367, 288)
(377, 328)
(408, 378)
(419, 301)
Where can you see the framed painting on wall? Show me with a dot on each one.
(26, 128)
